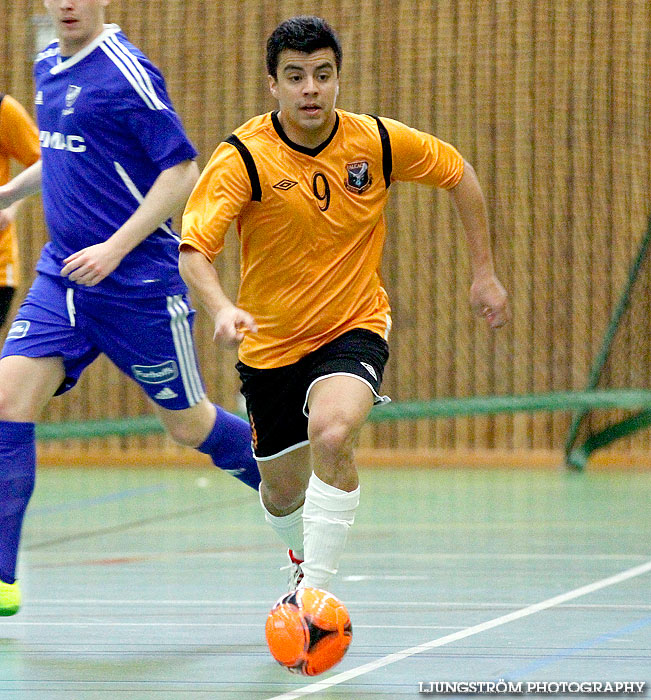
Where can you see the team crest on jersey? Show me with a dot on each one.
(359, 179)
(71, 97)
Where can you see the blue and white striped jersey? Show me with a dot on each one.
(107, 130)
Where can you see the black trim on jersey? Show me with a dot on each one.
(297, 147)
(256, 189)
(387, 158)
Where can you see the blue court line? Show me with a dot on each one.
(99, 500)
(519, 673)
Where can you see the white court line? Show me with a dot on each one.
(454, 605)
(517, 556)
(35, 558)
(384, 577)
(468, 632)
(208, 624)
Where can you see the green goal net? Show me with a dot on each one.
(623, 360)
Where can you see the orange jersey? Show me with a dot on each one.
(18, 140)
(311, 225)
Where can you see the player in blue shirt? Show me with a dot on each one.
(116, 165)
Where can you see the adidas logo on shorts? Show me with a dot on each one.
(166, 393)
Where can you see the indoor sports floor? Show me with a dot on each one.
(154, 584)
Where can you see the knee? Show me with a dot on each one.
(331, 435)
(190, 426)
(283, 490)
(282, 499)
(184, 433)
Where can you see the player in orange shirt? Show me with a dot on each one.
(307, 186)
(18, 141)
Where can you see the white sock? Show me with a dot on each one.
(288, 527)
(328, 514)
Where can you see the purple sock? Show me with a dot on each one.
(17, 475)
(229, 447)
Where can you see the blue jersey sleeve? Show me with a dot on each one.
(147, 113)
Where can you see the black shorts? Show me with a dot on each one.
(6, 295)
(276, 399)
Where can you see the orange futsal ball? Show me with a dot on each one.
(308, 631)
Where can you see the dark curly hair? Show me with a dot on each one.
(305, 34)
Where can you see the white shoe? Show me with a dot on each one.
(295, 571)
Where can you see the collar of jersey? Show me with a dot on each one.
(297, 147)
(109, 29)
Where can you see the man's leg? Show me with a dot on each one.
(150, 340)
(338, 407)
(225, 437)
(274, 401)
(282, 493)
(26, 385)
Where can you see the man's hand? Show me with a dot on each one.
(231, 323)
(488, 299)
(89, 266)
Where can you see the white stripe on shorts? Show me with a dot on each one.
(184, 346)
(70, 304)
(377, 399)
(287, 450)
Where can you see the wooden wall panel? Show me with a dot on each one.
(549, 101)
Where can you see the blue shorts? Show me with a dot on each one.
(149, 339)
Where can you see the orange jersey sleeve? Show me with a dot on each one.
(421, 157)
(18, 133)
(18, 141)
(311, 225)
(222, 191)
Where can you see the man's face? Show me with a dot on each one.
(77, 22)
(306, 88)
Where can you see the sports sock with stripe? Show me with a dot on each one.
(17, 476)
(229, 447)
(328, 514)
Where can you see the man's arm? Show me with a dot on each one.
(8, 215)
(24, 184)
(167, 195)
(487, 296)
(202, 279)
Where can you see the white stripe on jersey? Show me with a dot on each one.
(48, 52)
(127, 74)
(131, 186)
(145, 80)
(131, 69)
(109, 30)
(9, 273)
(182, 335)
